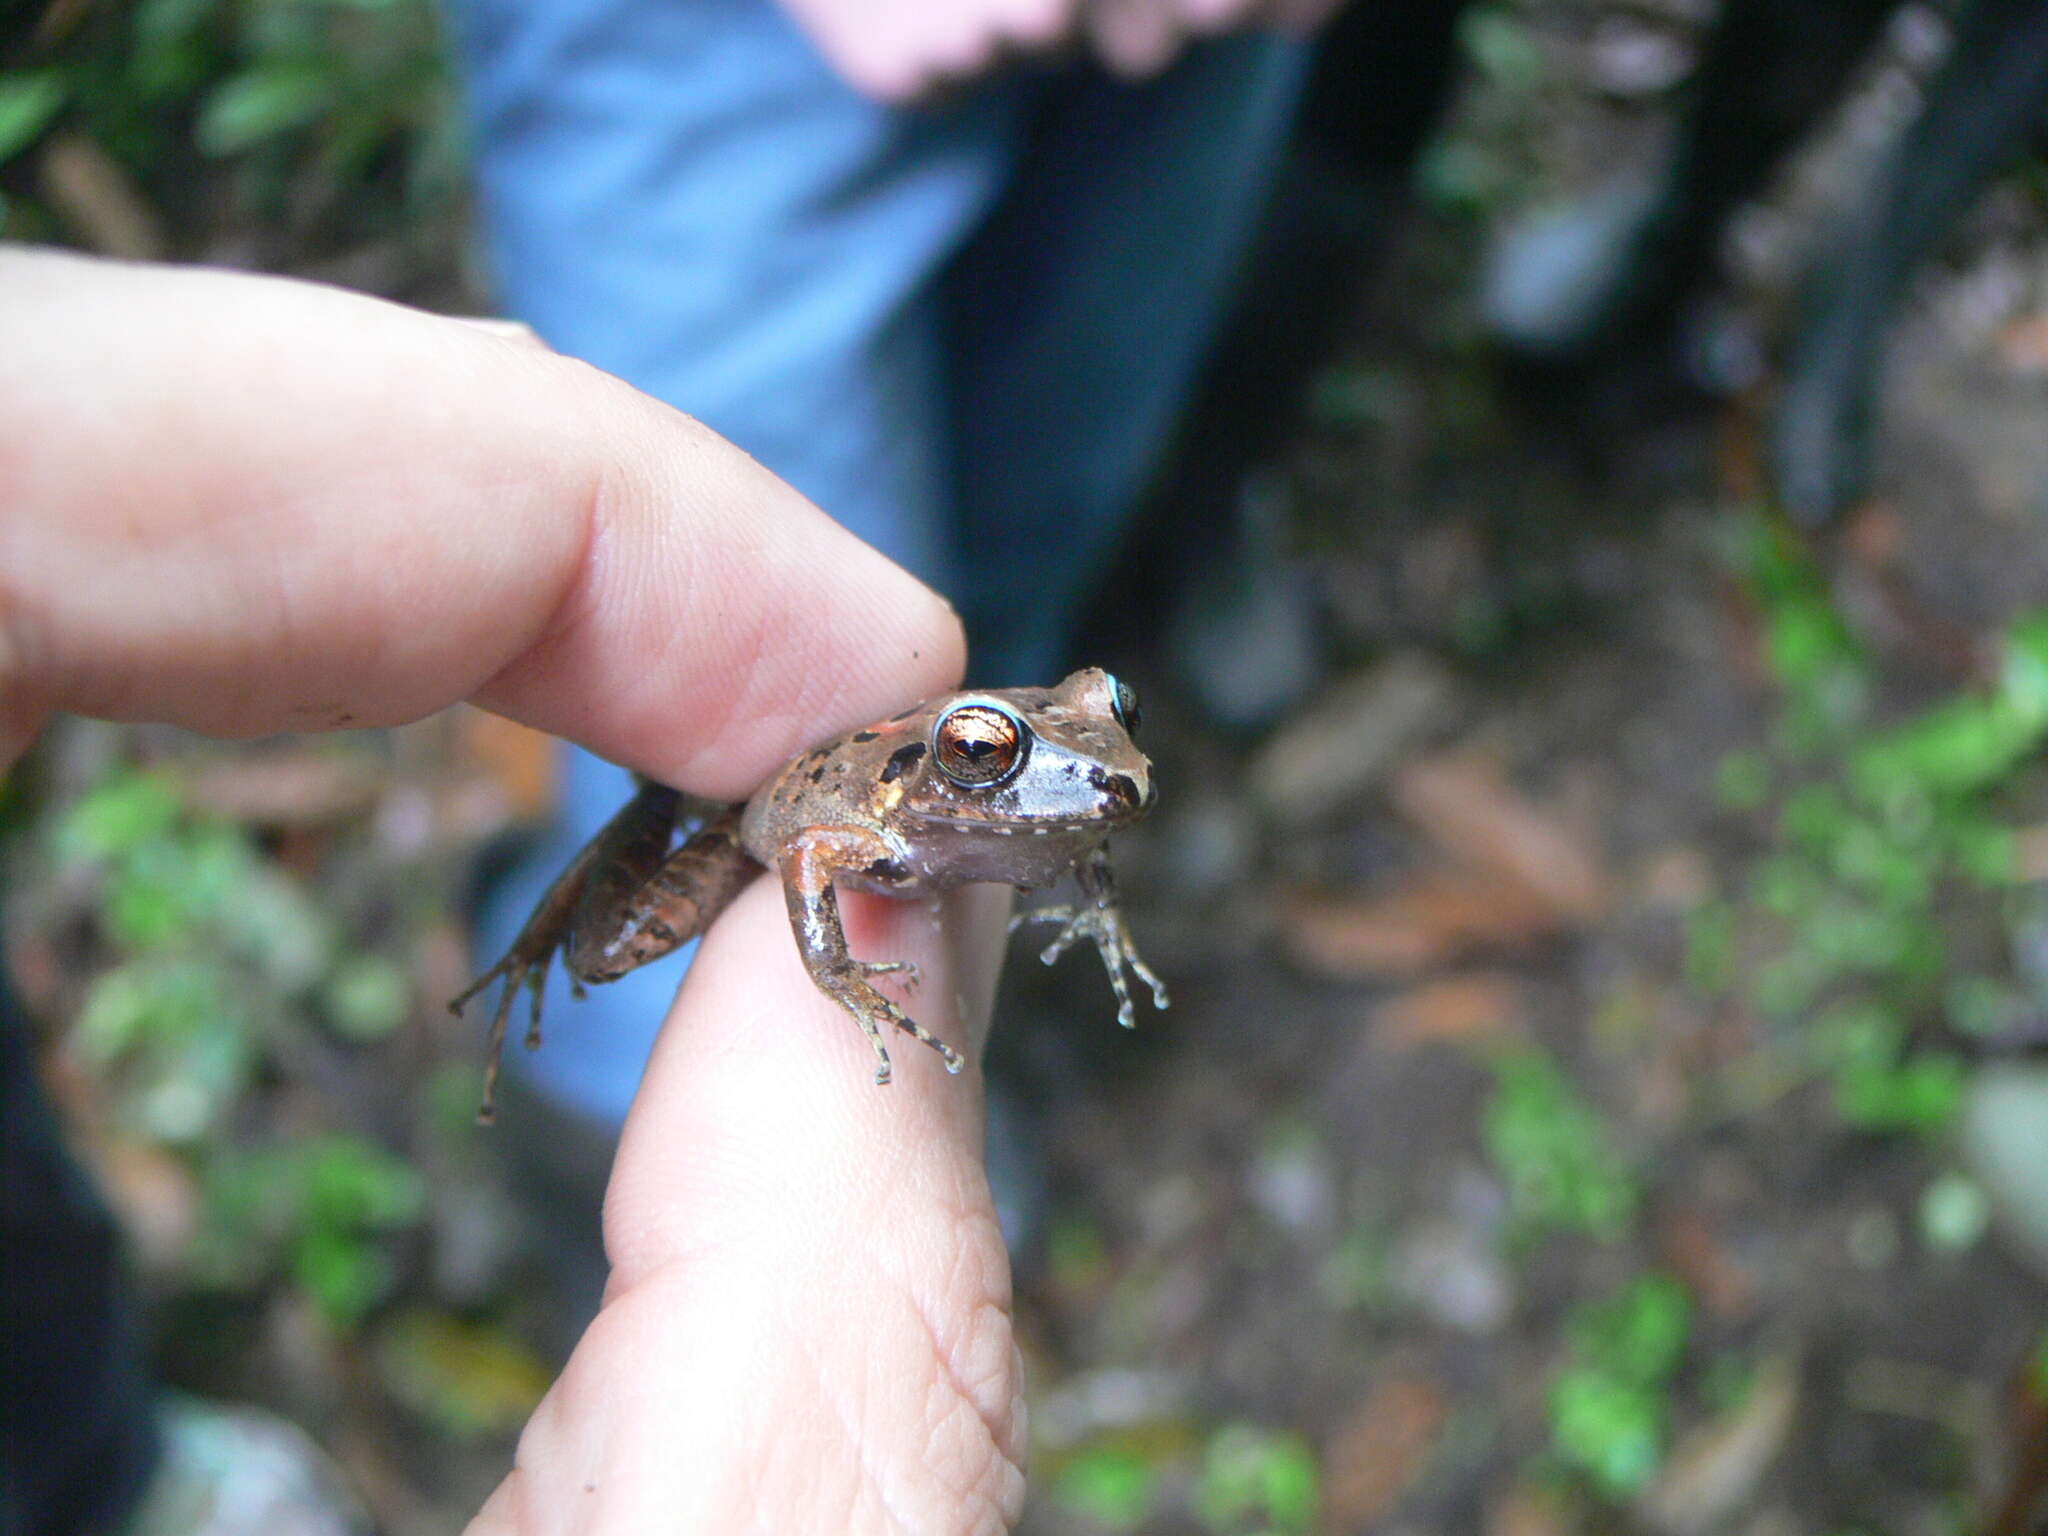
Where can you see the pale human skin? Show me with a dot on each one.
(905, 50)
(247, 505)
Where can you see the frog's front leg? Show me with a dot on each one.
(810, 861)
(1101, 920)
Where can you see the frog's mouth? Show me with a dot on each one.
(1025, 826)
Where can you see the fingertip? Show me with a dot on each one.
(716, 621)
(760, 1114)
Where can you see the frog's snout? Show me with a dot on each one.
(1126, 792)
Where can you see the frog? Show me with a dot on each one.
(1017, 786)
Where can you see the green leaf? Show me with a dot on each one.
(1112, 1485)
(1501, 46)
(1254, 1474)
(264, 102)
(1742, 781)
(1607, 1407)
(27, 104)
(1561, 1168)
(267, 916)
(2024, 681)
(1613, 1431)
(1638, 1335)
(1459, 178)
(1954, 1212)
(366, 998)
(352, 1184)
(1923, 1093)
(342, 1273)
(117, 816)
(172, 1040)
(1710, 947)
(175, 50)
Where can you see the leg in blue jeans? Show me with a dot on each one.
(962, 331)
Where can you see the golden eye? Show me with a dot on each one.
(978, 745)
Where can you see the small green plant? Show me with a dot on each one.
(1113, 1485)
(1878, 832)
(1261, 1480)
(1562, 1170)
(319, 1212)
(1609, 1405)
(216, 961)
(327, 96)
(207, 938)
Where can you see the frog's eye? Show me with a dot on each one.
(1123, 703)
(978, 745)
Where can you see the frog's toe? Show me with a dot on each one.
(1151, 979)
(910, 1026)
(907, 969)
(1057, 914)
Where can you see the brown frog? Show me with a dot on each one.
(1011, 785)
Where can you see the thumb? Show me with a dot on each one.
(808, 1323)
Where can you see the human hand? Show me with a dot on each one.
(1139, 38)
(906, 50)
(245, 505)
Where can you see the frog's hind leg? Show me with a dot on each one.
(635, 909)
(531, 974)
(808, 867)
(646, 822)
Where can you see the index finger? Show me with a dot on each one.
(249, 505)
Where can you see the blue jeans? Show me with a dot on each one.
(963, 331)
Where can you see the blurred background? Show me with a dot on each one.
(1602, 865)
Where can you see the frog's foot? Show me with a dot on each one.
(872, 1011)
(1104, 926)
(520, 969)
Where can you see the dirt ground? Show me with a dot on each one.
(1283, 1197)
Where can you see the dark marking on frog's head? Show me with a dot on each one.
(817, 773)
(901, 761)
(1120, 787)
(865, 735)
(899, 719)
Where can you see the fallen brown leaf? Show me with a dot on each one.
(1714, 1470)
(292, 790)
(99, 200)
(1480, 1006)
(1468, 810)
(1526, 1510)
(2023, 345)
(1695, 1252)
(518, 760)
(1874, 536)
(1377, 1452)
(1349, 739)
(156, 1199)
(1437, 919)
(2030, 852)
(2021, 1507)
(1675, 880)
